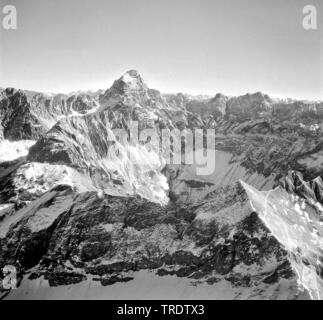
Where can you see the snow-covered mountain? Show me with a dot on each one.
(84, 211)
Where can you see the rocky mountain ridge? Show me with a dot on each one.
(82, 206)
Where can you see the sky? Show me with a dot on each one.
(190, 46)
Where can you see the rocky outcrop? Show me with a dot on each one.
(29, 115)
(222, 240)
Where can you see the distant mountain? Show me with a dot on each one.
(85, 207)
(29, 115)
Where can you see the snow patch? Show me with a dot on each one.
(147, 285)
(108, 227)
(11, 150)
(139, 170)
(298, 228)
(38, 178)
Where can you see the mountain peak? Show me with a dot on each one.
(133, 73)
(129, 87)
(130, 81)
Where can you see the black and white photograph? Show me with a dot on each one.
(167, 150)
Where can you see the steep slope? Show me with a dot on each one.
(28, 115)
(297, 223)
(68, 238)
(96, 201)
(89, 143)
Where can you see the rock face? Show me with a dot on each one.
(107, 237)
(295, 219)
(26, 115)
(87, 204)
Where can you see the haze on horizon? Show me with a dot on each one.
(189, 46)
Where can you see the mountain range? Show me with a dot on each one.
(83, 215)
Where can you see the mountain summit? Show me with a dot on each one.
(131, 81)
(128, 89)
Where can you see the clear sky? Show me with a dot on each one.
(192, 46)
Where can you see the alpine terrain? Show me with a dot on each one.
(87, 212)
